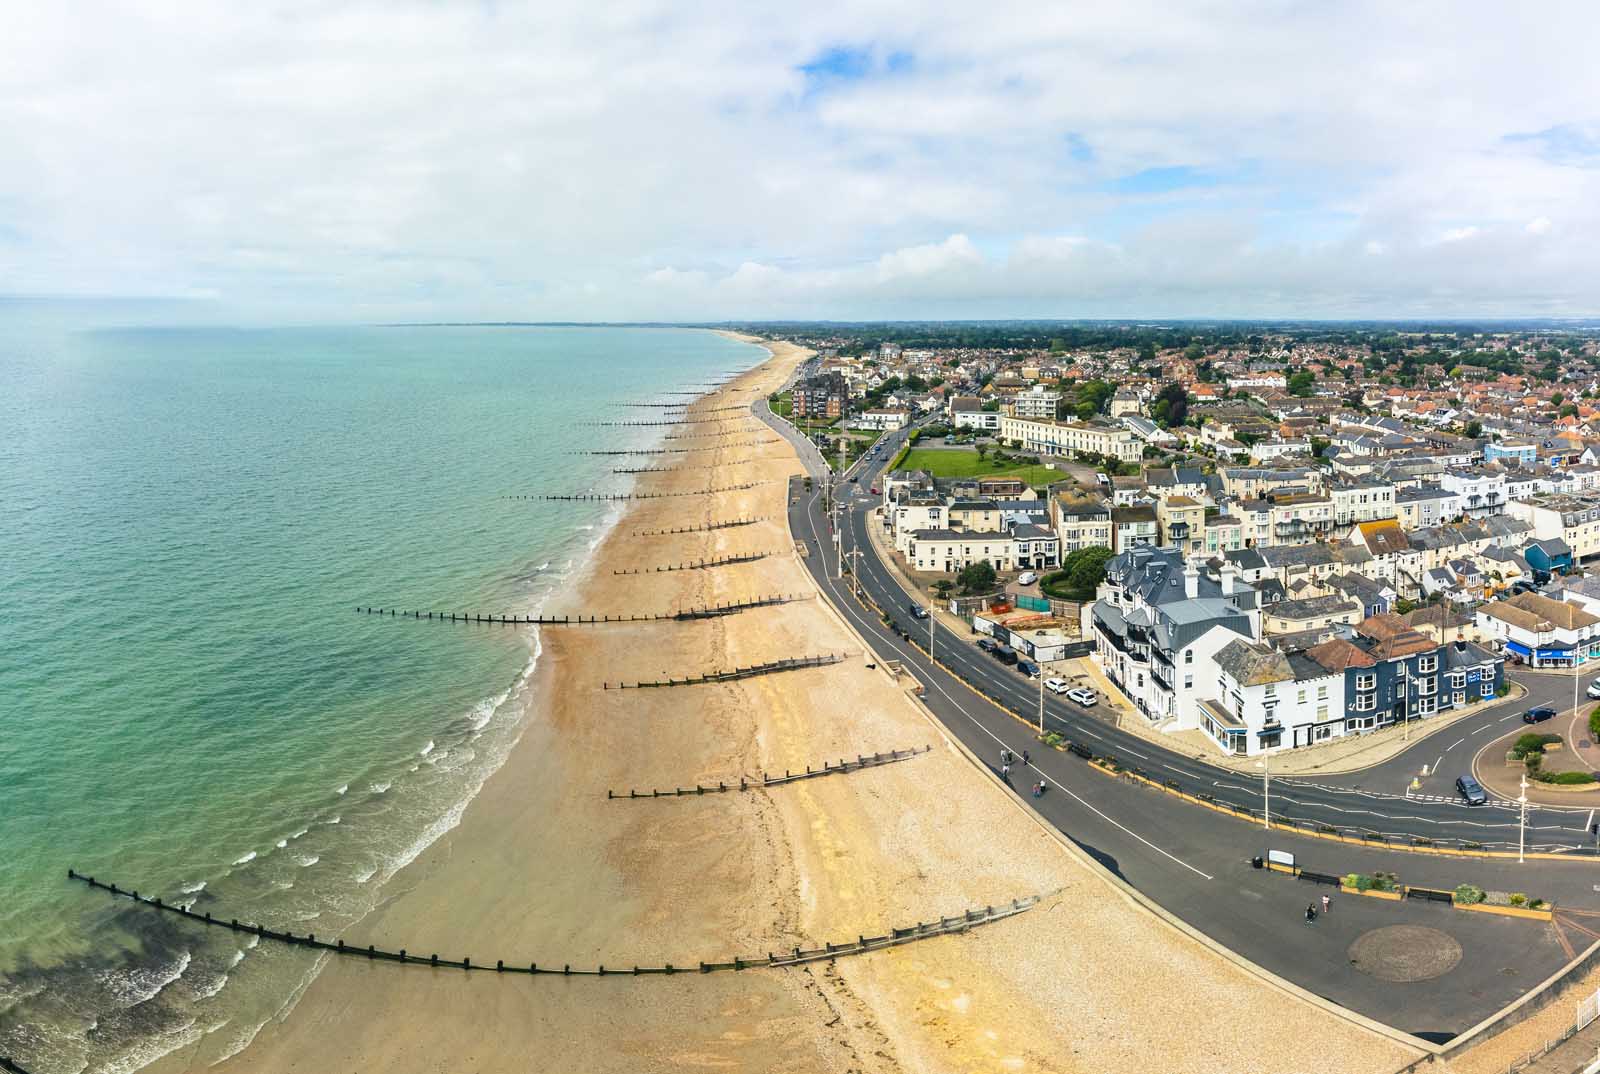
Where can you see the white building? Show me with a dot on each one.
(1267, 701)
(1037, 403)
(1482, 492)
(1072, 438)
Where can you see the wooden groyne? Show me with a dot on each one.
(828, 769)
(714, 436)
(647, 424)
(639, 495)
(696, 565)
(685, 406)
(795, 956)
(775, 666)
(680, 469)
(710, 611)
(729, 524)
(675, 451)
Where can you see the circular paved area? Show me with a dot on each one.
(1405, 953)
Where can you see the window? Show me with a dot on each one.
(1367, 681)
(1365, 702)
(1488, 688)
(1301, 699)
(1458, 679)
(1428, 663)
(1427, 686)
(1458, 699)
(1322, 692)
(1272, 689)
(1188, 656)
(1188, 682)
(1427, 706)
(1322, 713)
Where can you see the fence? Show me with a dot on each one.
(791, 664)
(710, 611)
(795, 956)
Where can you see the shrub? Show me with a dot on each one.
(1517, 899)
(1373, 882)
(1594, 723)
(1536, 904)
(1052, 739)
(1468, 894)
(1565, 779)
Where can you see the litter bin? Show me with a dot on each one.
(1255, 862)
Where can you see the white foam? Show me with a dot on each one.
(333, 819)
(136, 986)
(238, 957)
(426, 749)
(368, 875)
(342, 788)
(306, 863)
(381, 787)
(247, 859)
(544, 566)
(149, 1049)
(298, 834)
(207, 993)
(193, 887)
(250, 944)
(282, 843)
(240, 1043)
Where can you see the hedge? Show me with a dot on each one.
(1565, 779)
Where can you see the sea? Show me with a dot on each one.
(190, 702)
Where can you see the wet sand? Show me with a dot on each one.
(544, 868)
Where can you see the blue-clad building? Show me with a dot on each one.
(1395, 673)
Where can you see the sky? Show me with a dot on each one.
(633, 160)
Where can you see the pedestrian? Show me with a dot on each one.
(1005, 772)
(1326, 902)
(1311, 913)
(1024, 758)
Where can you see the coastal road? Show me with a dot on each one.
(1195, 862)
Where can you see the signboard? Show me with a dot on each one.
(1281, 857)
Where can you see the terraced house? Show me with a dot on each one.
(1395, 673)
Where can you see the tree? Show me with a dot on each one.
(1569, 411)
(1319, 445)
(943, 587)
(983, 449)
(1303, 383)
(1473, 430)
(1171, 406)
(1086, 569)
(978, 578)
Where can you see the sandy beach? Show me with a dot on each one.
(543, 867)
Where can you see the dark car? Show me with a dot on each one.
(1004, 653)
(1471, 790)
(918, 611)
(1539, 715)
(988, 645)
(1028, 668)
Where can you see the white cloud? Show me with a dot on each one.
(482, 160)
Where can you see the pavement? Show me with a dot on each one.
(1196, 862)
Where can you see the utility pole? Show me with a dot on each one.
(1522, 818)
(1266, 793)
(1041, 701)
(931, 607)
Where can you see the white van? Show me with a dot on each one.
(1027, 578)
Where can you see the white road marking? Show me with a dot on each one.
(1437, 763)
(1485, 727)
(1452, 746)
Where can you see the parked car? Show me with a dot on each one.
(918, 611)
(988, 645)
(1539, 715)
(1594, 690)
(1057, 686)
(1004, 653)
(1027, 578)
(1028, 668)
(875, 491)
(1471, 790)
(1083, 696)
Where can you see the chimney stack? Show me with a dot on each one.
(1191, 580)
(1230, 579)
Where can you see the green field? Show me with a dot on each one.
(782, 405)
(959, 462)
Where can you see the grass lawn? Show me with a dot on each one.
(949, 462)
(783, 405)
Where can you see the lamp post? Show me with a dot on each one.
(1041, 700)
(1522, 819)
(1266, 794)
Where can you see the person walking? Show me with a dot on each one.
(1311, 913)
(1005, 772)
(1024, 758)
(1326, 902)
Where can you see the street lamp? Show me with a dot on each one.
(1041, 699)
(1266, 794)
(1522, 818)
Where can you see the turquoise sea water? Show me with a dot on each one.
(188, 517)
